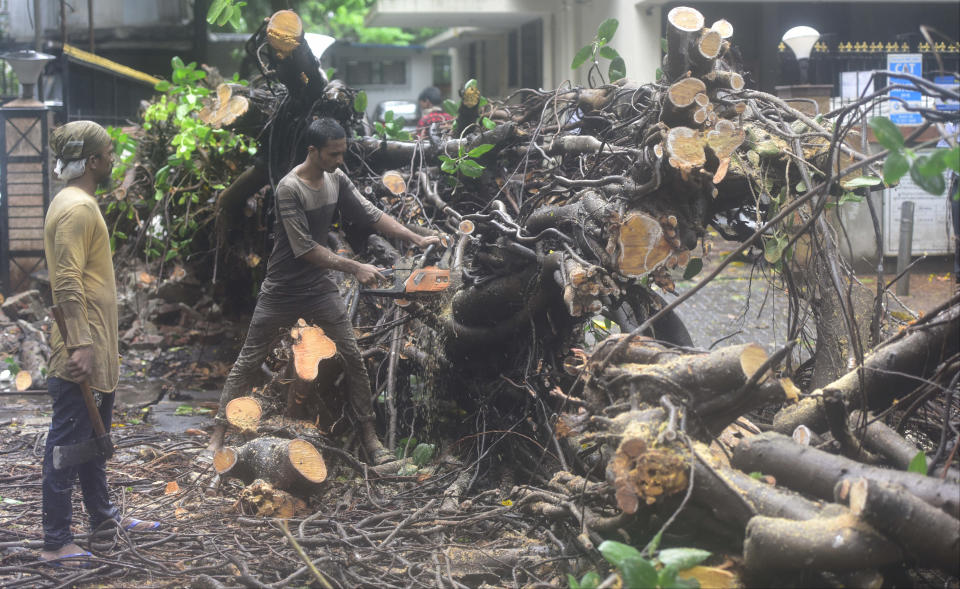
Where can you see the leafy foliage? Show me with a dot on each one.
(658, 572)
(192, 161)
(599, 48)
(391, 127)
(465, 162)
(925, 170)
(222, 12)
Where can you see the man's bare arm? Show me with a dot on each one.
(389, 227)
(324, 258)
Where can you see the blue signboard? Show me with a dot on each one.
(950, 83)
(911, 63)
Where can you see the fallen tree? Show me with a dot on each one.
(563, 210)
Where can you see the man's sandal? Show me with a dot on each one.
(70, 561)
(138, 525)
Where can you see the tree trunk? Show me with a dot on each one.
(285, 464)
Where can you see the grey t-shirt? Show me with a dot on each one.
(304, 216)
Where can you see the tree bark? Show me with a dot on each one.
(925, 533)
(816, 472)
(285, 464)
(840, 543)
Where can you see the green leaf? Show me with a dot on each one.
(379, 128)
(162, 86)
(682, 558)
(663, 44)
(918, 464)
(888, 135)
(655, 542)
(850, 197)
(694, 266)
(388, 116)
(932, 183)
(449, 166)
(582, 56)
(638, 573)
(487, 123)
(617, 552)
(756, 475)
(606, 31)
(773, 248)
(572, 582)
(183, 410)
(423, 454)
(608, 52)
(360, 102)
(471, 169)
(618, 69)
(215, 9)
(450, 107)
(953, 159)
(480, 150)
(658, 75)
(860, 182)
(895, 166)
(590, 580)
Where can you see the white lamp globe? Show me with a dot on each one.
(801, 40)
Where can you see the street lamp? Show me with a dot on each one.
(801, 40)
(27, 64)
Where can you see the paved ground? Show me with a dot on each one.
(742, 306)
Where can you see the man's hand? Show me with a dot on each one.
(368, 274)
(423, 241)
(80, 364)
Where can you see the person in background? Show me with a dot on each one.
(431, 110)
(76, 244)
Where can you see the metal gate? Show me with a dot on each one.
(24, 194)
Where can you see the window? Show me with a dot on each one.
(369, 72)
(525, 56)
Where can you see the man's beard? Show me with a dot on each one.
(105, 183)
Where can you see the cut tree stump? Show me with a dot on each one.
(923, 531)
(285, 464)
(683, 24)
(642, 244)
(244, 413)
(310, 346)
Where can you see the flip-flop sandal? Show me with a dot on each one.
(138, 525)
(65, 562)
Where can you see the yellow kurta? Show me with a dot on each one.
(77, 248)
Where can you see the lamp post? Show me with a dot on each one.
(801, 40)
(24, 174)
(808, 98)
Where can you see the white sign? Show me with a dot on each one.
(909, 63)
(932, 228)
(853, 85)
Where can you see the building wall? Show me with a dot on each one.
(107, 14)
(419, 72)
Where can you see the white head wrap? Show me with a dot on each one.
(70, 170)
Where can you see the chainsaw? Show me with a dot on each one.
(412, 279)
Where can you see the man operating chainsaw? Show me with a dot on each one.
(77, 249)
(298, 283)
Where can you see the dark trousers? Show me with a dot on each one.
(275, 314)
(71, 425)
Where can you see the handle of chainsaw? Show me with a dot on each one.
(92, 410)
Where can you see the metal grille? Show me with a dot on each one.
(24, 190)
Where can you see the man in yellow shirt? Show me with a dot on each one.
(77, 248)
